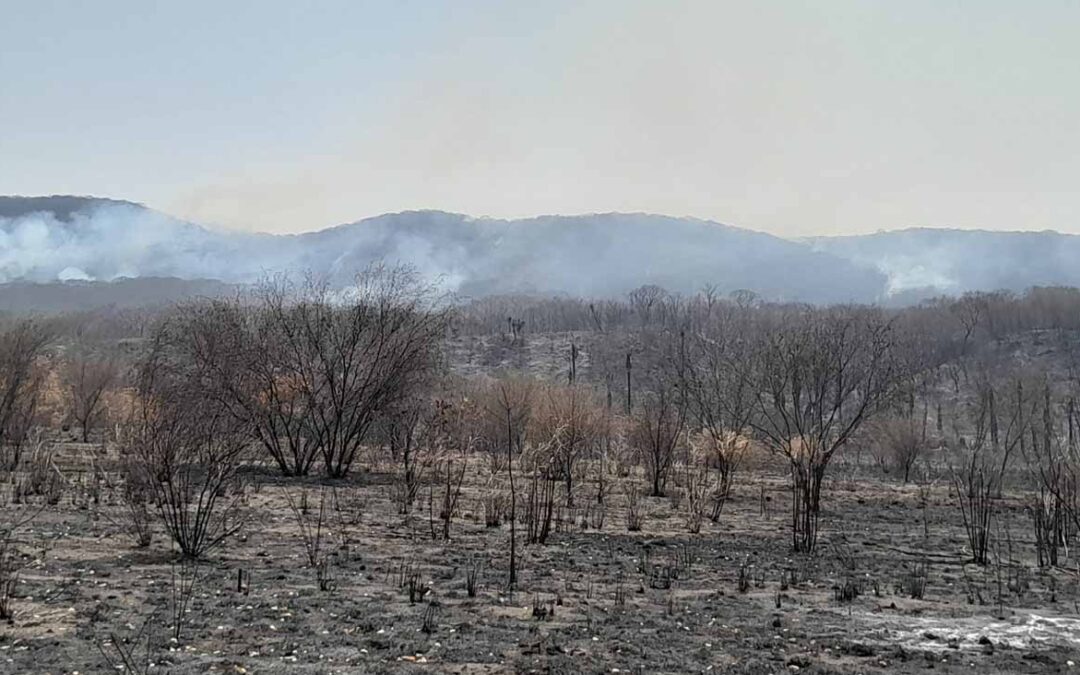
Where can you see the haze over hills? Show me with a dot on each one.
(44, 240)
(919, 262)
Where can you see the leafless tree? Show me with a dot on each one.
(186, 449)
(354, 360)
(1050, 466)
(87, 377)
(453, 439)
(970, 310)
(570, 423)
(506, 409)
(818, 375)
(22, 346)
(310, 369)
(646, 301)
(1053, 463)
(407, 429)
(12, 559)
(717, 391)
(987, 437)
(656, 433)
(270, 390)
(137, 516)
(901, 434)
(238, 351)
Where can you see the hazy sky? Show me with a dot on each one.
(823, 116)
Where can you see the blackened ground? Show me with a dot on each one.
(588, 601)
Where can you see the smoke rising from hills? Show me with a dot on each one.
(65, 239)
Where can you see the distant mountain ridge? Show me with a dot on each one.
(63, 207)
(600, 255)
(67, 238)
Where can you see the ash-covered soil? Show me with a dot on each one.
(589, 601)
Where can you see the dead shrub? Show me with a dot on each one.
(136, 499)
(901, 442)
(539, 509)
(11, 565)
(431, 617)
(997, 424)
(22, 375)
(40, 475)
(446, 442)
(635, 515)
(183, 581)
(187, 451)
(915, 581)
(135, 654)
(495, 505)
(656, 434)
(87, 378)
(744, 578)
(474, 572)
(311, 529)
(406, 429)
(571, 425)
(324, 575)
(699, 488)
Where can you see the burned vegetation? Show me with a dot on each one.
(385, 480)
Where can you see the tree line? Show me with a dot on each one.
(306, 378)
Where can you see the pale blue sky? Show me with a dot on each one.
(792, 117)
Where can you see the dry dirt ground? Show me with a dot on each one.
(589, 601)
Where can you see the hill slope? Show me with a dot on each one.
(924, 261)
(64, 238)
(607, 254)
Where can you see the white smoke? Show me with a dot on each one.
(73, 274)
(592, 255)
(923, 262)
(117, 240)
(114, 241)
